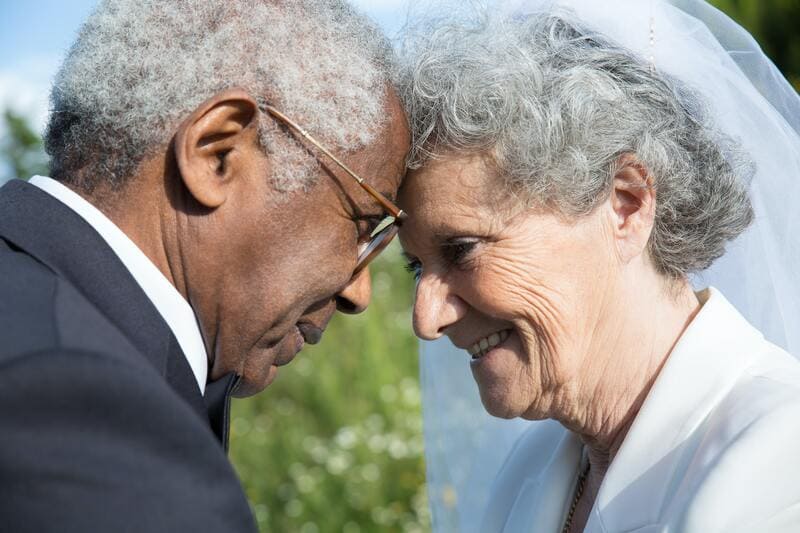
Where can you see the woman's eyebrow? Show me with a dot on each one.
(407, 256)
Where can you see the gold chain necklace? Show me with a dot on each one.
(578, 494)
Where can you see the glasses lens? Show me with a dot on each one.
(380, 228)
(377, 243)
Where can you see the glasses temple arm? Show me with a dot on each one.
(391, 208)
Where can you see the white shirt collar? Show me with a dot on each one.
(172, 306)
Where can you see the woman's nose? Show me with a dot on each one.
(354, 297)
(436, 308)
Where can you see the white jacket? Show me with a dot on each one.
(715, 447)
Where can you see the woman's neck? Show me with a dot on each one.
(638, 330)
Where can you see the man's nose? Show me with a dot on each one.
(354, 297)
(436, 308)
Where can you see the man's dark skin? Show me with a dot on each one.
(263, 270)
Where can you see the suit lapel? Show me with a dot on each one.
(54, 234)
(218, 400)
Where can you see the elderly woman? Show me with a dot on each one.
(563, 188)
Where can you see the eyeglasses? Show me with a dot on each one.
(386, 231)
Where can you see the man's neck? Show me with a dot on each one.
(142, 214)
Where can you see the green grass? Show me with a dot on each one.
(335, 443)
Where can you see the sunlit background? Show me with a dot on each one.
(335, 444)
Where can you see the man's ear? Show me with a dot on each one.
(213, 142)
(633, 205)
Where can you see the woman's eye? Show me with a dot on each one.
(414, 267)
(457, 252)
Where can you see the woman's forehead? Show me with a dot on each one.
(456, 179)
(446, 190)
(445, 201)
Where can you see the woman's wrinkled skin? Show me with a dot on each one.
(590, 322)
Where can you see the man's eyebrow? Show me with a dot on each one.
(386, 193)
(389, 195)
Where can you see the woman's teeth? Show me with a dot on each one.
(482, 347)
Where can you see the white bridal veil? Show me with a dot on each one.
(760, 272)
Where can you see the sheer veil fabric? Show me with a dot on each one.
(751, 101)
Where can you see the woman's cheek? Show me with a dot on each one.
(497, 283)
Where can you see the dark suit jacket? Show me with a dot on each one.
(102, 425)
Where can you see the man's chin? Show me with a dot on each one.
(261, 365)
(252, 385)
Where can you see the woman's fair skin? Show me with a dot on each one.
(585, 320)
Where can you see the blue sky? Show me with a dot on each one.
(34, 35)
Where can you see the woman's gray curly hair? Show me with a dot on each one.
(138, 67)
(555, 105)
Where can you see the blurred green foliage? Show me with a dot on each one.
(776, 26)
(21, 150)
(335, 443)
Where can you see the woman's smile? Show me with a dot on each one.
(482, 347)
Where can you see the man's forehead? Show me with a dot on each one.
(390, 185)
(396, 143)
(381, 162)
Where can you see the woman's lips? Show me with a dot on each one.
(484, 345)
(484, 355)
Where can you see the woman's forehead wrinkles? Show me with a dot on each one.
(444, 212)
(445, 228)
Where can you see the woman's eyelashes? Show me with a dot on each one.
(455, 253)
(414, 266)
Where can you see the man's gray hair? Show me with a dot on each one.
(139, 67)
(555, 105)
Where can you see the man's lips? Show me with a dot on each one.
(311, 333)
(302, 334)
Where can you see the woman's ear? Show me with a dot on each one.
(633, 205)
(214, 143)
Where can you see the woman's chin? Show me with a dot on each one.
(500, 401)
(501, 406)
(497, 375)
(498, 407)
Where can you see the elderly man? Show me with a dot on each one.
(197, 230)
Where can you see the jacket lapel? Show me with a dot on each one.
(544, 500)
(218, 401)
(54, 234)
